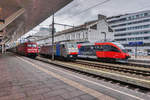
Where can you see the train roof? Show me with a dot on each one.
(93, 43)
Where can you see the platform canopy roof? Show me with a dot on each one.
(17, 17)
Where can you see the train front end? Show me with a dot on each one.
(112, 51)
(72, 51)
(32, 50)
(123, 55)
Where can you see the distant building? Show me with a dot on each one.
(43, 32)
(130, 28)
(89, 32)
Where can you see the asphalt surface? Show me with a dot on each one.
(22, 78)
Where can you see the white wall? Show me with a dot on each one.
(96, 35)
(91, 35)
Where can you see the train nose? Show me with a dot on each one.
(127, 57)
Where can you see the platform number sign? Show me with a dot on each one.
(136, 43)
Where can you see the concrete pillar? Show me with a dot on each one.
(2, 48)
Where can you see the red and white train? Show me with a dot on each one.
(108, 51)
(29, 49)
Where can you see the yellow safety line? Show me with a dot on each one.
(85, 89)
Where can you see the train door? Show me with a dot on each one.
(91, 51)
(99, 51)
(111, 52)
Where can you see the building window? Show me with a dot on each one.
(145, 14)
(86, 35)
(94, 27)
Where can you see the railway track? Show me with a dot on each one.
(115, 67)
(85, 68)
(99, 77)
(138, 64)
(133, 63)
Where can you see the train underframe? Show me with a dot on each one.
(32, 55)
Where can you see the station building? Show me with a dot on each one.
(92, 31)
(132, 28)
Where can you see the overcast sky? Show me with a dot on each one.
(71, 13)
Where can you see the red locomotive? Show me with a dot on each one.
(109, 51)
(29, 49)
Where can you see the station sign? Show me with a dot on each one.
(136, 43)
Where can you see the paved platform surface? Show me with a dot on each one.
(21, 81)
(22, 78)
(142, 58)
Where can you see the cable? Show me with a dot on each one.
(77, 14)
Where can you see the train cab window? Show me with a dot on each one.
(29, 45)
(110, 48)
(72, 45)
(32, 45)
(114, 49)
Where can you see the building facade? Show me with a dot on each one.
(93, 31)
(132, 30)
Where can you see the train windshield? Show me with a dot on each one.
(120, 46)
(72, 45)
(32, 45)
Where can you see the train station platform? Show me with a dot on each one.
(142, 58)
(22, 78)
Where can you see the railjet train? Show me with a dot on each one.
(105, 51)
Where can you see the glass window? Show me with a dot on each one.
(72, 45)
(110, 48)
(137, 16)
(32, 45)
(119, 45)
(99, 48)
(29, 45)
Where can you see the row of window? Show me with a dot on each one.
(144, 44)
(130, 18)
(116, 21)
(83, 35)
(133, 33)
(133, 39)
(99, 48)
(133, 28)
(138, 16)
(130, 23)
(32, 45)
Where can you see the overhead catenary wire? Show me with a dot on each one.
(79, 13)
(85, 10)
